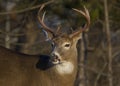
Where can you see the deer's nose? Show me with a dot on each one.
(55, 58)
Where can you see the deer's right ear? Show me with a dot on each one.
(76, 36)
(48, 35)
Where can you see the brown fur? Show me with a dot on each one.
(23, 70)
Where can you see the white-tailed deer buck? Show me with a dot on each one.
(58, 70)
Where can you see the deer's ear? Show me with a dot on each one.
(48, 35)
(76, 36)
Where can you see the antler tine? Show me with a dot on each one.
(41, 20)
(71, 29)
(86, 15)
(58, 29)
(88, 18)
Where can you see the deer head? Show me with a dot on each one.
(64, 51)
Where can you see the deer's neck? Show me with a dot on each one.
(64, 74)
(65, 68)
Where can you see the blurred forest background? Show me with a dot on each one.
(99, 50)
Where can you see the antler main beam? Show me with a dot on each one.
(85, 13)
(41, 20)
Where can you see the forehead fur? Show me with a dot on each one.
(62, 38)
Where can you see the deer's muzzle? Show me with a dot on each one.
(56, 59)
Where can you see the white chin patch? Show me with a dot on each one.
(65, 68)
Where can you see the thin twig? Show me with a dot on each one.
(93, 70)
(98, 76)
(11, 34)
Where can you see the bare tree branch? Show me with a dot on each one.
(81, 60)
(24, 10)
(107, 26)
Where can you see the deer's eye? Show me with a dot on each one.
(67, 45)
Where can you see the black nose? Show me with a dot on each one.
(55, 58)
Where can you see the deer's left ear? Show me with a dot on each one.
(48, 35)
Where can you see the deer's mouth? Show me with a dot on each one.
(56, 60)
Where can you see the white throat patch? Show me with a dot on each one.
(64, 68)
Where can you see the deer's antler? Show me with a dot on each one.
(41, 20)
(85, 13)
